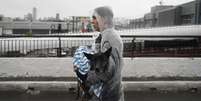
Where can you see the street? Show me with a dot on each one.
(129, 96)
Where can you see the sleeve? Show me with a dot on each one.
(105, 42)
(106, 76)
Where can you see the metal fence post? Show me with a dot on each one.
(59, 49)
(133, 46)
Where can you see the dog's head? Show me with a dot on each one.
(99, 61)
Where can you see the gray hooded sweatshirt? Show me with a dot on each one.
(112, 90)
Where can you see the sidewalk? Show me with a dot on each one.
(33, 75)
(134, 69)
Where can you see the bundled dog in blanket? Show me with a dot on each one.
(101, 78)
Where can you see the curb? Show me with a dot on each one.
(74, 78)
(141, 86)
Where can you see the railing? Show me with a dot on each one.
(40, 46)
(163, 46)
(134, 45)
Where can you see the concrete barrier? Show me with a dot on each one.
(133, 69)
(147, 86)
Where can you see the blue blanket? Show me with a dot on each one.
(83, 66)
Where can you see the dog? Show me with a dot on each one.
(106, 69)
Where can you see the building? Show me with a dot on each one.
(57, 17)
(149, 19)
(167, 15)
(72, 24)
(188, 13)
(31, 16)
(28, 17)
(23, 27)
(1, 17)
(34, 14)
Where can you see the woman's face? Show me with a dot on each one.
(95, 24)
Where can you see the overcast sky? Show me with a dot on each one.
(47, 8)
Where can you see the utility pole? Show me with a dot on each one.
(73, 23)
(67, 25)
(59, 49)
(30, 26)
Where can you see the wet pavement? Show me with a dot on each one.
(62, 67)
(129, 96)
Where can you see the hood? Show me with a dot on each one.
(104, 16)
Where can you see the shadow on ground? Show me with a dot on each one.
(129, 96)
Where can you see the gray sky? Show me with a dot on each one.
(47, 8)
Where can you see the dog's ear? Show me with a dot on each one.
(89, 56)
(108, 52)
